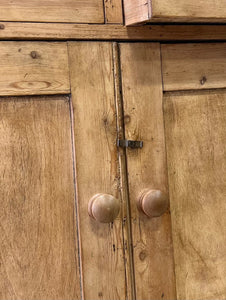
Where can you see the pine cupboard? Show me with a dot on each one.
(112, 11)
(112, 174)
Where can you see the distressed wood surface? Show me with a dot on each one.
(123, 183)
(196, 136)
(92, 84)
(61, 31)
(193, 66)
(113, 11)
(28, 68)
(143, 119)
(38, 242)
(85, 11)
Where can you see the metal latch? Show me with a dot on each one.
(129, 144)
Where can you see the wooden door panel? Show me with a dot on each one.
(193, 66)
(33, 68)
(143, 120)
(85, 11)
(196, 137)
(97, 170)
(38, 242)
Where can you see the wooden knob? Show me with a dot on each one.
(103, 208)
(153, 203)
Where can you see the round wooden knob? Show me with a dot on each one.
(103, 208)
(153, 203)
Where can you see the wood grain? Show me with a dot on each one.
(38, 243)
(113, 11)
(92, 86)
(143, 119)
(194, 66)
(195, 135)
(191, 10)
(85, 11)
(136, 11)
(61, 31)
(29, 68)
(174, 11)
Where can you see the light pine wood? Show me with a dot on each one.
(85, 11)
(174, 11)
(192, 10)
(136, 11)
(38, 242)
(113, 11)
(61, 31)
(194, 66)
(195, 136)
(143, 120)
(94, 119)
(28, 68)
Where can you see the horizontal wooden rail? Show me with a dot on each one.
(69, 31)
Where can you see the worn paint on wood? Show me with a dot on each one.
(196, 136)
(38, 242)
(29, 68)
(143, 119)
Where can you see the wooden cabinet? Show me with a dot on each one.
(63, 106)
(174, 11)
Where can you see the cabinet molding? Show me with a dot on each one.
(62, 31)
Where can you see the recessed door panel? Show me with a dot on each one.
(195, 125)
(38, 242)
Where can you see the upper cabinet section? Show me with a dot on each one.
(174, 10)
(78, 11)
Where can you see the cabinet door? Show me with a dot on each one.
(195, 122)
(38, 240)
(147, 170)
(58, 149)
(104, 252)
(193, 126)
